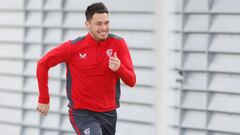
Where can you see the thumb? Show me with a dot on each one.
(115, 55)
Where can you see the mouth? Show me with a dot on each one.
(103, 34)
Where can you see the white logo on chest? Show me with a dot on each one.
(109, 52)
(82, 56)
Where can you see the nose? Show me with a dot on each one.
(104, 27)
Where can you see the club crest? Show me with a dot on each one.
(109, 52)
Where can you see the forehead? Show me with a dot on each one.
(100, 17)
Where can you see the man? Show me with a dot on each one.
(95, 64)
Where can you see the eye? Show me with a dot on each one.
(107, 22)
(98, 23)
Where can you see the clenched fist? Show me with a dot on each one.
(114, 63)
(43, 109)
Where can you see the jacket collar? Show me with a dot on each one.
(93, 41)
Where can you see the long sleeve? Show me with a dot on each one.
(52, 58)
(126, 70)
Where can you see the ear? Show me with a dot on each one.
(87, 24)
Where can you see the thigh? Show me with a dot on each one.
(91, 128)
(84, 123)
(108, 122)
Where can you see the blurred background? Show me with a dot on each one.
(186, 56)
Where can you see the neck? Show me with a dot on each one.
(98, 40)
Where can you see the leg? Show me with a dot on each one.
(83, 123)
(92, 128)
(108, 122)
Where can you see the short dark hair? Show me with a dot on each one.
(98, 7)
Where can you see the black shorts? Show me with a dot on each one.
(87, 122)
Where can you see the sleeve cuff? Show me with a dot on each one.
(43, 100)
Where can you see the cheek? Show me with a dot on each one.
(92, 28)
(108, 27)
(95, 27)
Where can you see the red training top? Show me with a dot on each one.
(91, 84)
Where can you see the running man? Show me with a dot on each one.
(95, 64)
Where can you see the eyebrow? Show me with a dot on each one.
(102, 21)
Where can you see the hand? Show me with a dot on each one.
(43, 109)
(114, 63)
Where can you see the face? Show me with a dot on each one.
(98, 26)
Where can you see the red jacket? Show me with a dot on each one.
(91, 84)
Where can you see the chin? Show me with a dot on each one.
(103, 38)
